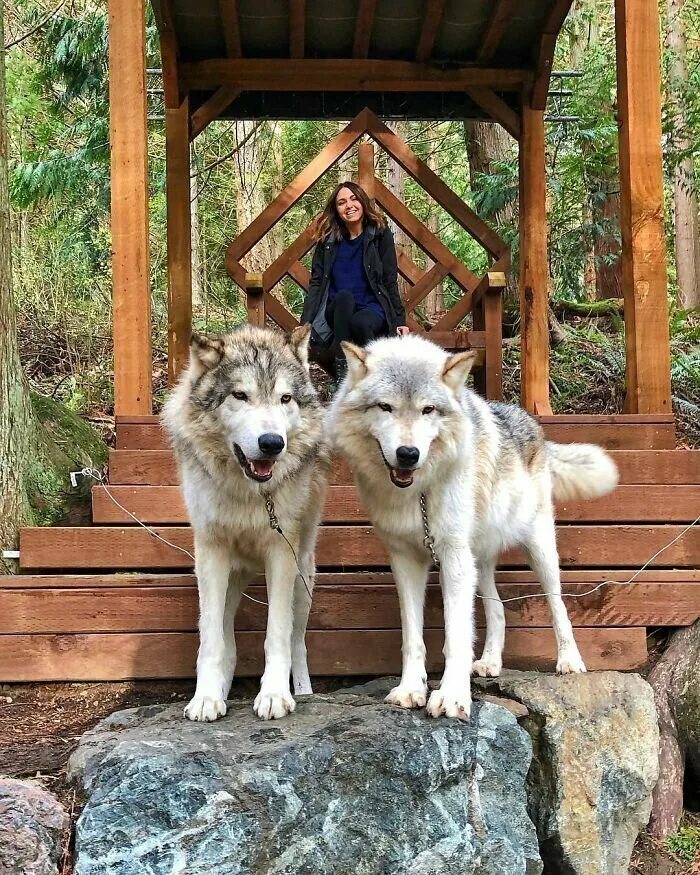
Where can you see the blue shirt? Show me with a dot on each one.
(348, 274)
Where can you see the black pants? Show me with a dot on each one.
(349, 323)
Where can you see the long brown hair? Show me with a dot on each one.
(331, 226)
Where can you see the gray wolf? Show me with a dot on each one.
(409, 427)
(246, 425)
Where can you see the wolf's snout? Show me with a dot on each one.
(407, 456)
(271, 444)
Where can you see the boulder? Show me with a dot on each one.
(31, 824)
(595, 763)
(346, 785)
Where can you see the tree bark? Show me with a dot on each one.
(435, 302)
(395, 181)
(196, 247)
(675, 680)
(250, 197)
(17, 423)
(685, 202)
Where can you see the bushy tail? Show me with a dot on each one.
(580, 471)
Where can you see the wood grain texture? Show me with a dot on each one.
(344, 546)
(118, 656)
(496, 108)
(297, 13)
(354, 606)
(644, 281)
(637, 504)
(430, 28)
(131, 297)
(501, 15)
(212, 108)
(363, 27)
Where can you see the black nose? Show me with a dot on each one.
(271, 444)
(407, 456)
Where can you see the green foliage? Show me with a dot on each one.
(685, 843)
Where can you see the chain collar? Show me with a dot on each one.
(428, 539)
(270, 508)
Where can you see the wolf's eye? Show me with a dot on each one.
(385, 407)
(240, 396)
(285, 399)
(428, 409)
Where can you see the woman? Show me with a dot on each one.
(354, 292)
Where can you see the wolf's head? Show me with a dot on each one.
(400, 405)
(251, 391)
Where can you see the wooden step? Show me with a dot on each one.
(617, 432)
(339, 546)
(120, 656)
(662, 467)
(336, 605)
(165, 505)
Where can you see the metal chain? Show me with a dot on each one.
(270, 508)
(428, 539)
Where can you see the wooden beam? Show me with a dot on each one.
(228, 10)
(365, 168)
(432, 21)
(408, 269)
(497, 24)
(179, 239)
(534, 276)
(297, 12)
(260, 74)
(497, 109)
(421, 235)
(644, 278)
(131, 297)
(402, 153)
(493, 328)
(545, 52)
(425, 285)
(255, 301)
(300, 275)
(212, 108)
(363, 28)
(463, 307)
(172, 96)
(286, 199)
(296, 250)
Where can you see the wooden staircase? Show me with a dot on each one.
(111, 601)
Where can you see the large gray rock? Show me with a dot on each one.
(31, 824)
(346, 785)
(596, 744)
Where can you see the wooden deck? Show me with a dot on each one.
(110, 601)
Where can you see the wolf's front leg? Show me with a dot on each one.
(458, 580)
(303, 589)
(212, 566)
(275, 699)
(410, 576)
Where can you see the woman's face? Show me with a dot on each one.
(348, 206)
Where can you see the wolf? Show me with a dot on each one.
(246, 426)
(439, 468)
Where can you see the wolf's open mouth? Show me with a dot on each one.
(257, 469)
(401, 477)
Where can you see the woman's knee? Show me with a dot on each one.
(365, 328)
(345, 301)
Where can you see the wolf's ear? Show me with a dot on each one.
(357, 361)
(456, 369)
(299, 339)
(205, 352)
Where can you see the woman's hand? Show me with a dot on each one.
(402, 330)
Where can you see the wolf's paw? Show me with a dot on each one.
(487, 668)
(205, 709)
(570, 662)
(408, 696)
(272, 706)
(454, 702)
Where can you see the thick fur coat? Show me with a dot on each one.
(247, 429)
(409, 427)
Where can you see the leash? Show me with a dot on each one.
(429, 544)
(269, 507)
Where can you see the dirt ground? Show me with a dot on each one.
(40, 725)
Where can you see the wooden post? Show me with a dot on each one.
(534, 293)
(255, 299)
(644, 282)
(131, 298)
(179, 230)
(493, 326)
(365, 166)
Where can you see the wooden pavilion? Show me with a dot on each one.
(112, 601)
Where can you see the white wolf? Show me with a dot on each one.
(404, 417)
(247, 428)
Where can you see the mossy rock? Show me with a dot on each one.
(65, 443)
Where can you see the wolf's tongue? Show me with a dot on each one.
(262, 467)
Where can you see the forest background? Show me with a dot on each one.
(58, 157)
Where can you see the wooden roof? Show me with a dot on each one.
(300, 59)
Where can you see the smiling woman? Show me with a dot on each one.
(353, 293)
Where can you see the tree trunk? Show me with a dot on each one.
(17, 423)
(435, 302)
(196, 247)
(395, 181)
(250, 197)
(685, 202)
(675, 680)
